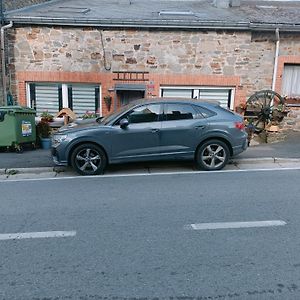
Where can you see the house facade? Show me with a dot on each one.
(5, 6)
(98, 57)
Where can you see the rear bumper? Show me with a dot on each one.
(240, 148)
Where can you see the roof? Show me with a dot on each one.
(250, 15)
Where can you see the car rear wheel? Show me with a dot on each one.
(212, 155)
(88, 159)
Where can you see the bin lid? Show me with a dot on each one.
(17, 109)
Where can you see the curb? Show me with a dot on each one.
(265, 160)
(59, 169)
(35, 170)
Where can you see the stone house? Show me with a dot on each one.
(97, 55)
(7, 5)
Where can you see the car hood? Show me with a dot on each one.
(80, 125)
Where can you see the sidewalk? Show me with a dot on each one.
(37, 161)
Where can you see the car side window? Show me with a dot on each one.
(206, 113)
(144, 114)
(173, 112)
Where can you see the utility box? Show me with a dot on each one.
(17, 126)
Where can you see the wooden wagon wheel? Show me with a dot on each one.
(260, 107)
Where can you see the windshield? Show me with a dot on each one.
(110, 117)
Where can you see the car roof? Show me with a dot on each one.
(173, 100)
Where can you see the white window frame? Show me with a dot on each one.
(196, 91)
(65, 101)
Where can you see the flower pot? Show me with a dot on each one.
(46, 143)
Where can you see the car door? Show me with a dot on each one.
(140, 139)
(181, 130)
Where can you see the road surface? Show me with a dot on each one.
(227, 235)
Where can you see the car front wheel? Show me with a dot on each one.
(212, 155)
(88, 159)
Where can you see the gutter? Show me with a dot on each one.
(152, 23)
(276, 58)
(4, 92)
(121, 23)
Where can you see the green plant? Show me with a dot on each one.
(46, 116)
(107, 100)
(280, 107)
(43, 129)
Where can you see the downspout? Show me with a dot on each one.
(276, 58)
(3, 61)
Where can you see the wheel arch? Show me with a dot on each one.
(222, 139)
(79, 143)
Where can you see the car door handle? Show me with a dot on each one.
(200, 126)
(154, 130)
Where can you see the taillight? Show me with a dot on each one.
(239, 125)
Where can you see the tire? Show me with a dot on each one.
(88, 159)
(212, 155)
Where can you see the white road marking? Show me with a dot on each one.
(36, 235)
(228, 225)
(208, 173)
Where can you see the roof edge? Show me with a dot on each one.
(215, 25)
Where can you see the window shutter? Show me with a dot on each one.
(83, 99)
(215, 95)
(47, 98)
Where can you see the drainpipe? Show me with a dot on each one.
(3, 61)
(276, 59)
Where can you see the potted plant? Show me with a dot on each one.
(107, 100)
(44, 132)
(89, 115)
(278, 113)
(241, 108)
(46, 116)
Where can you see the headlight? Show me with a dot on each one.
(58, 138)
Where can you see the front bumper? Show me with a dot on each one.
(56, 157)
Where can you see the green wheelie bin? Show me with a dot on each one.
(17, 127)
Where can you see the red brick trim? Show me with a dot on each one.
(282, 60)
(107, 82)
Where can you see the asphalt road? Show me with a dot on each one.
(134, 238)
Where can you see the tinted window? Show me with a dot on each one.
(206, 113)
(180, 112)
(145, 113)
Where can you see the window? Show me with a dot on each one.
(175, 112)
(291, 81)
(177, 93)
(224, 96)
(53, 97)
(206, 113)
(145, 113)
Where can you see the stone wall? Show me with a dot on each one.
(228, 53)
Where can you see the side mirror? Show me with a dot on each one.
(124, 123)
